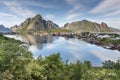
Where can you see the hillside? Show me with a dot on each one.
(87, 26)
(36, 24)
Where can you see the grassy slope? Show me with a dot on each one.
(8, 40)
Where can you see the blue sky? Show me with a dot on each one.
(61, 11)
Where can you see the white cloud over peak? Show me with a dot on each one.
(49, 16)
(75, 11)
(76, 6)
(5, 15)
(72, 16)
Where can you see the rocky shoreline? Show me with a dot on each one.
(111, 44)
(100, 43)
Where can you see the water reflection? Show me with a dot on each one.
(70, 49)
(38, 41)
(74, 49)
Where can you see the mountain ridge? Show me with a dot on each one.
(14, 28)
(36, 24)
(87, 26)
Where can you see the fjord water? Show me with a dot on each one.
(71, 49)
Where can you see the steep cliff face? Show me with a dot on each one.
(50, 25)
(36, 24)
(87, 26)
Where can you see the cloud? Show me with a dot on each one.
(39, 4)
(75, 11)
(71, 1)
(76, 6)
(108, 7)
(115, 20)
(9, 20)
(49, 16)
(116, 13)
(108, 10)
(18, 9)
(72, 16)
(5, 15)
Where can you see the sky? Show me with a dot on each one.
(14, 12)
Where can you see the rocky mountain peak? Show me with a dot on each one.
(66, 25)
(36, 24)
(103, 24)
(38, 17)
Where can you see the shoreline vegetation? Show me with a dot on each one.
(17, 63)
(105, 42)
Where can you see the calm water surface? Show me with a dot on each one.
(70, 49)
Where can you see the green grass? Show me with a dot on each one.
(107, 41)
(8, 40)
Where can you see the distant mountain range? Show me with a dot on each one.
(87, 26)
(3, 29)
(36, 24)
(114, 29)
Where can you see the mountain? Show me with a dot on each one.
(114, 29)
(36, 24)
(14, 28)
(87, 26)
(3, 29)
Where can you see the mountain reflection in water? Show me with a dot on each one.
(38, 41)
(70, 48)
